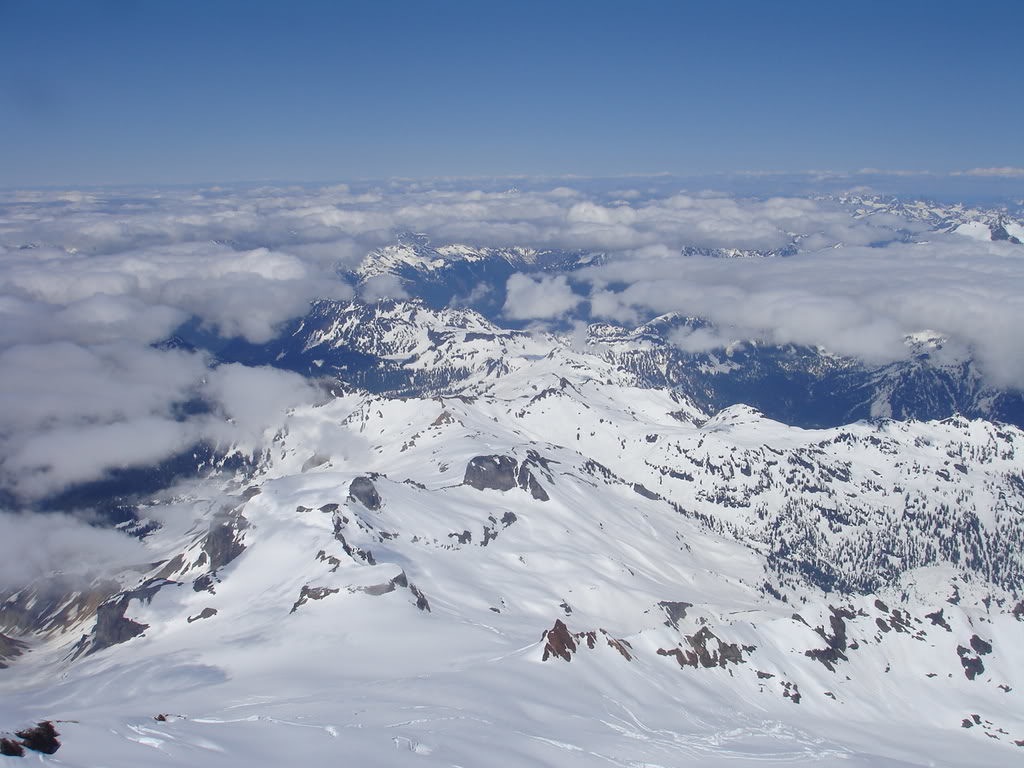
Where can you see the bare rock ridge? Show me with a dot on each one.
(503, 473)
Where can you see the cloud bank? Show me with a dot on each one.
(90, 280)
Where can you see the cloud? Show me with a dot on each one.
(857, 301)
(529, 298)
(254, 399)
(382, 287)
(34, 546)
(90, 280)
(1004, 171)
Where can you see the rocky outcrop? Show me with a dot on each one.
(308, 593)
(560, 642)
(503, 473)
(363, 490)
(225, 539)
(674, 611)
(41, 737)
(112, 626)
(702, 653)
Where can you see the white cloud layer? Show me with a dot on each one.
(89, 279)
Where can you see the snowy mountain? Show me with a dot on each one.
(459, 273)
(978, 223)
(483, 541)
(404, 348)
(555, 563)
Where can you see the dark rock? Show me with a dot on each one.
(836, 641)
(980, 646)
(497, 473)
(502, 473)
(382, 589)
(363, 489)
(355, 553)
(308, 593)
(463, 538)
(205, 583)
(973, 666)
(703, 656)
(937, 619)
(224, 540)
(560, 642)
(11, 748)
(112, 627)
(421, 599)
(206, 613)
(675, 611)
(41, 738)
(621, 646)
(331, 560)
(643, 491)
(792, 692)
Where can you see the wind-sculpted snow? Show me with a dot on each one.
(376, 602)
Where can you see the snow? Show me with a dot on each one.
(362, 676)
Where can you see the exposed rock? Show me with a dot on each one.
(331, 560)
(700, 655)
(112, 626)
(643, 491)
(560, 642)
(421, 599)
(308, 593)
(41, 738)
(225, 539)
(791, 691)
(502, 473)
(675, 611)
(463, 538)
(355, 553)
(206, 613)
(981, 647)
(973, 666)
(205, 583)
(11, 748)
(363, 490)
(938, 620)
(836, 641)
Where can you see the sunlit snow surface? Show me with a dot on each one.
(359, 678)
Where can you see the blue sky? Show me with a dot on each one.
(186, 92)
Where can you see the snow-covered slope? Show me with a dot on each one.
(554, 567)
